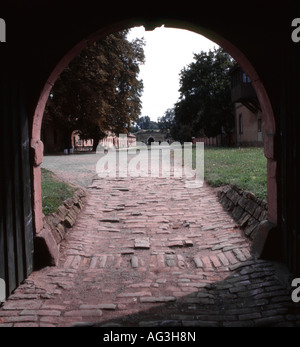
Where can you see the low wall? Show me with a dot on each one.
(247, 210)
(60, 222)
(56, 226)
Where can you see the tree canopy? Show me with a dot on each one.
(99, 91)
(204, 106)
(165, 122)
(146, 123)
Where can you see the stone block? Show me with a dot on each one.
(243, 201)
(233, 196)
(143, 243)
(249, 195)
(237, 212)
(72, 213)
(244, 219)
(46, 249)
(188, 243)
(250, 230)
(237, 189)
(62, 211)
(37, 148)
(251, 206)
(76, 209)
(226, 189)
(220, 194)
(134, 261)
(175, 243)
(263, 216)
(257, 212)
(160, 299)
(79, 204)
(229, 205)
(57, 237)
(69, 221)
(260, 238)
(60, 229)
(110, 220)
(68, 203)
(229, 193)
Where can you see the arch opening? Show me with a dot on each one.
(242, 60)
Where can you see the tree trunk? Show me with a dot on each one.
(67, 142)
(96, 140)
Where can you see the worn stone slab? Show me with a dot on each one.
(176, 243)
(136, 213)
(121, 189)
(84, 313)
(110, 220)
(143, 243)
(109, 230)
(198, 262)
(98, 306)
(127, 251)
(134, 261)
(188, 243)
(132, 295)
(157, 299)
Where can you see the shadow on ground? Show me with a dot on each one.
(257, 294)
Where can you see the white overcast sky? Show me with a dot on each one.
(167, 51)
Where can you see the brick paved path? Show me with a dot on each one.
(151, 252)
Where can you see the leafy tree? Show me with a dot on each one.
(146, 123)
(153, 125)
(165, 122)
(99, 90)
(204, 106)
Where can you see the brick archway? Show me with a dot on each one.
(235, 52)
(150, 140)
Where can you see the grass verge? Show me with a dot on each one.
(54, 191)
(244, 167)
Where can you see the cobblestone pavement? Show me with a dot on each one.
(151, 252)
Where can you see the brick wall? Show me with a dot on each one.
(247, 210)
(56, 225)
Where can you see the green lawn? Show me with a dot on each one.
(244, 167)
(54, 191)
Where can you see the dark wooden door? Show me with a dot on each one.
(16, 227)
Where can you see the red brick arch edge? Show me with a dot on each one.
(268, 115)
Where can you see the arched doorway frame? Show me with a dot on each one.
(150, 138)
(235, 52)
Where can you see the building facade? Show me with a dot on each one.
(249, 125)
